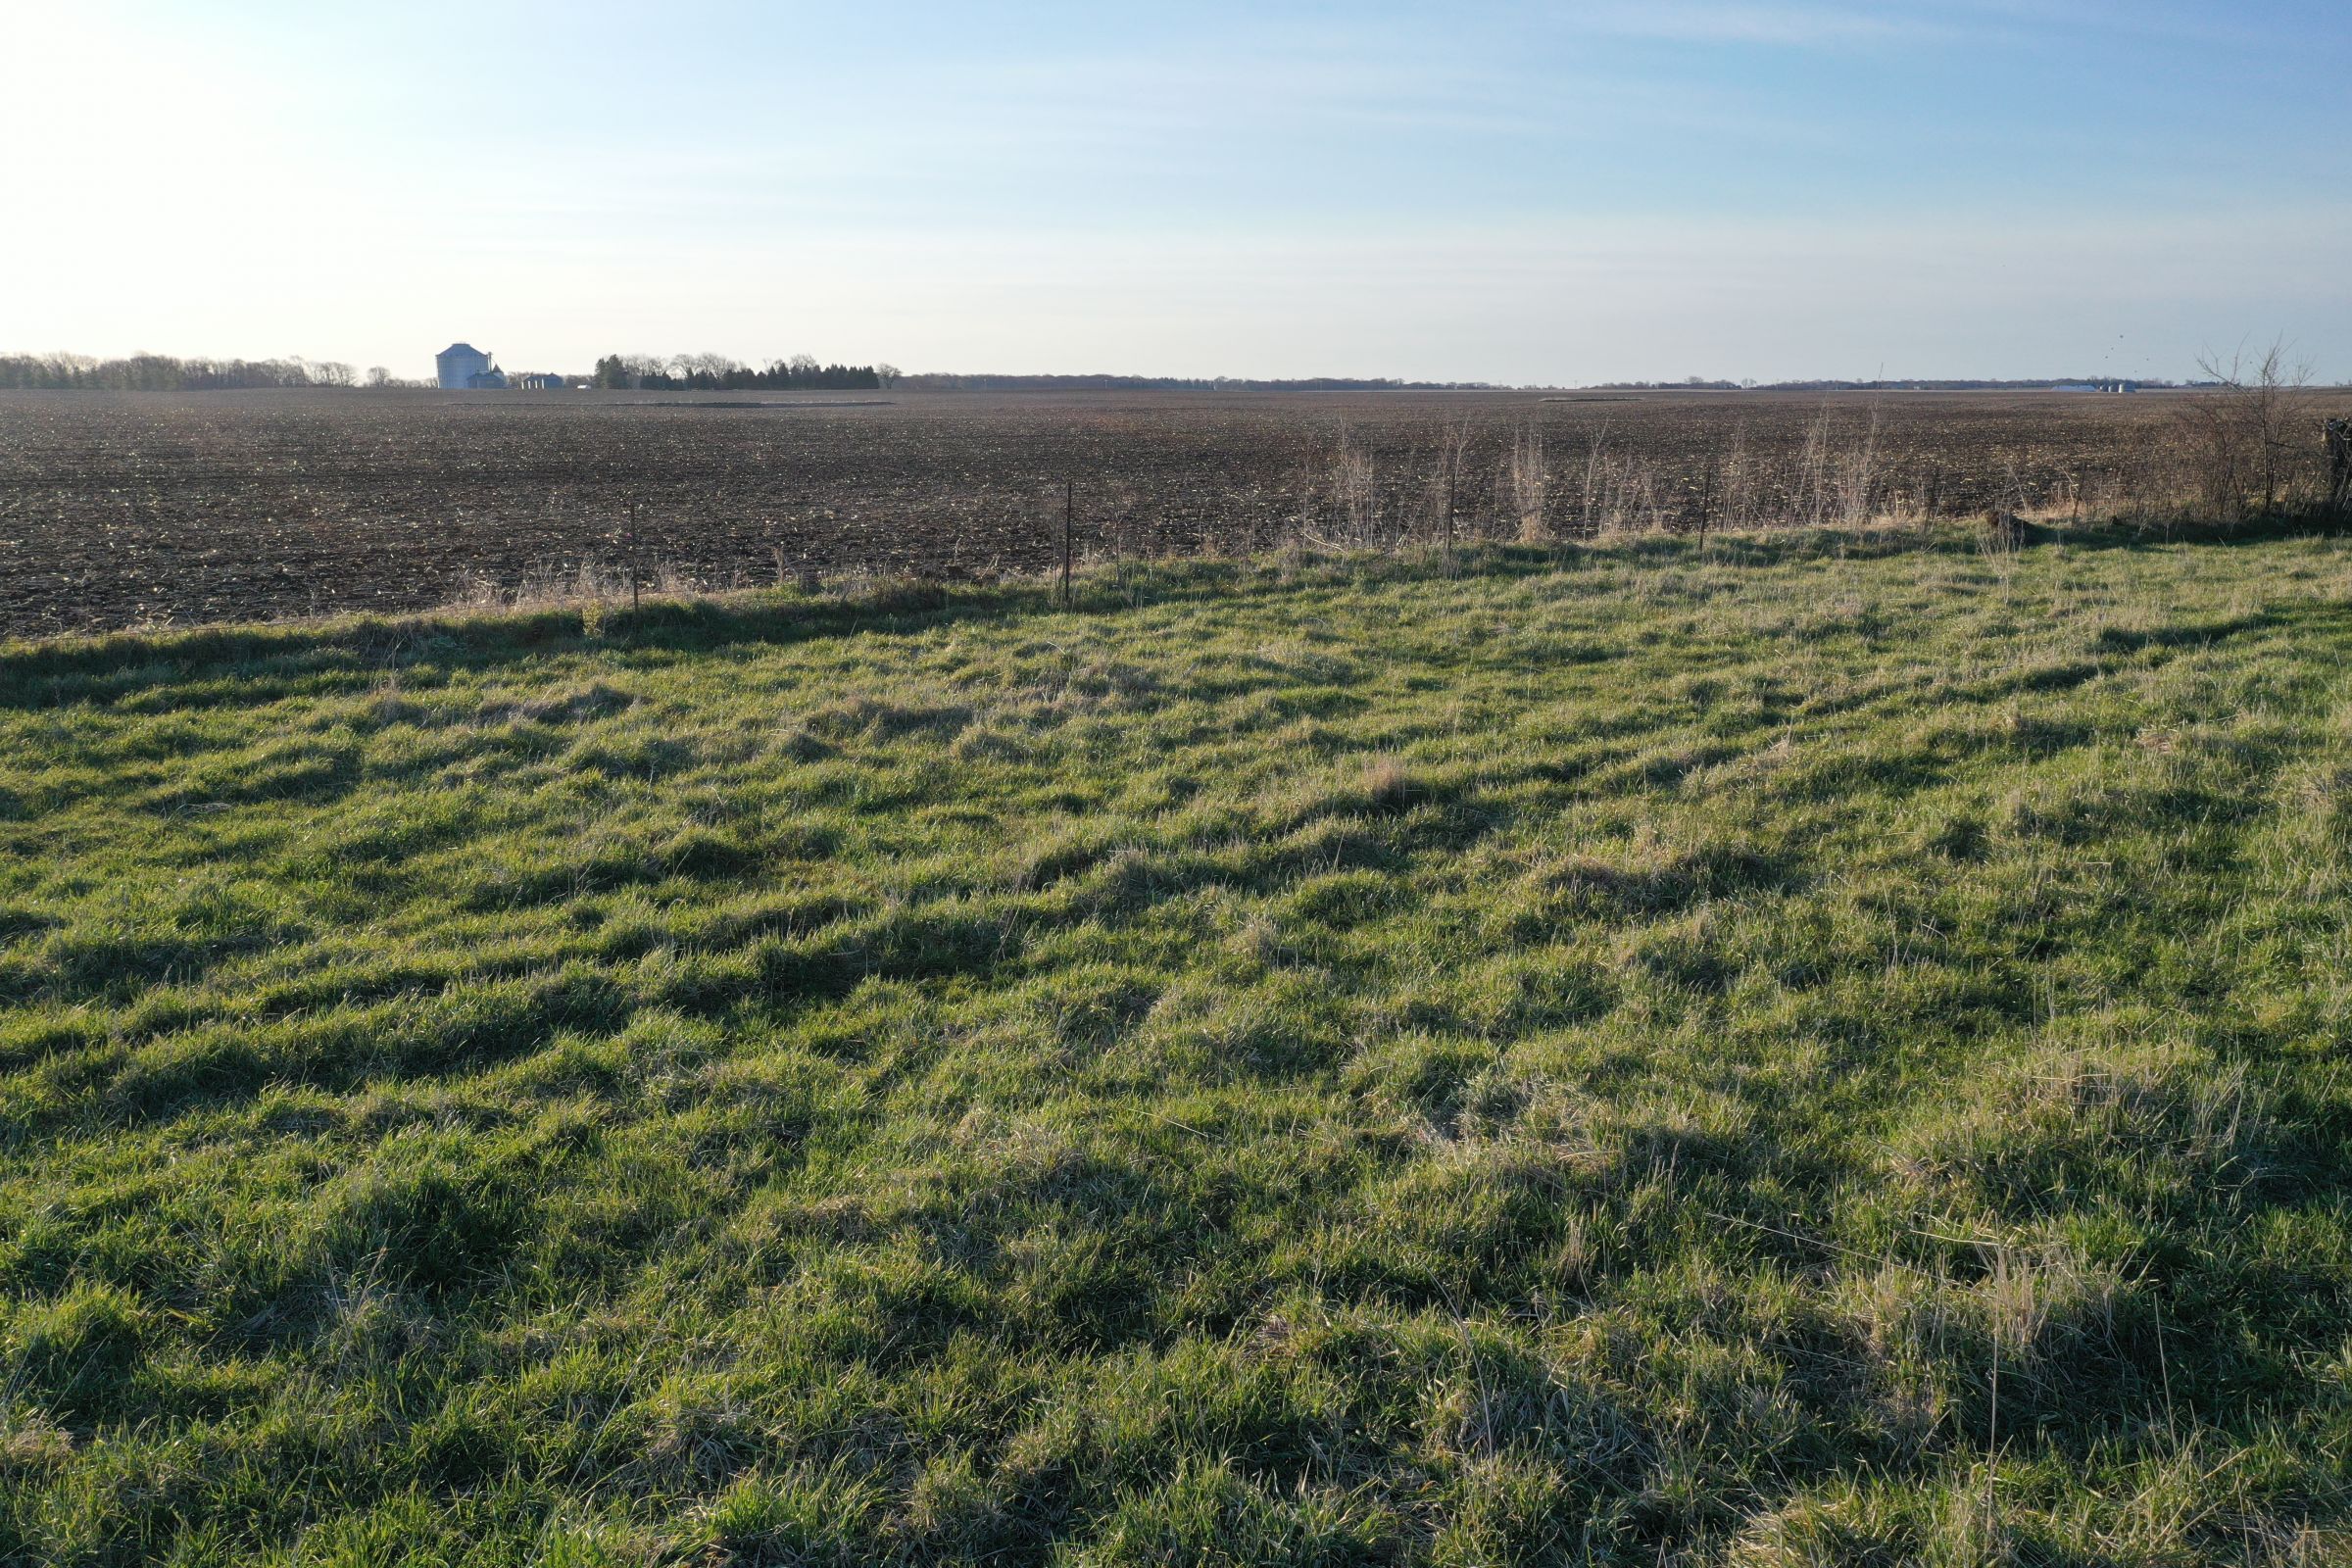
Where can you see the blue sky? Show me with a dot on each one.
(1562, 192)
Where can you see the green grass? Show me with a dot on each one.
(1815, 1052)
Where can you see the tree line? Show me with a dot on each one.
(1697, 384)
(958, 382)
(161, 373)
(715, 372)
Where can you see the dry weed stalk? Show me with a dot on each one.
(1454, 451)
(1857, 474)
(1596, 460)
(1738, 506)
(1355, 486)
(1812, 490)
(1530, 484)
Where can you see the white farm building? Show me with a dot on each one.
(464, 367)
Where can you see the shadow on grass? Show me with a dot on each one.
(110, 667)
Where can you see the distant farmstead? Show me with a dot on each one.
(463, 368)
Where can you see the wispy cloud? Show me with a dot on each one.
(1760, 22)
(1831, 25)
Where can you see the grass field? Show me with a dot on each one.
(1819, 1050)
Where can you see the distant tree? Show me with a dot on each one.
(718, 373)
(157, 373)
(706, 372)
(378, 375)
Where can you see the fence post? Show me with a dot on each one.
(2339, 464)
(1451, 470)
(1069, 518)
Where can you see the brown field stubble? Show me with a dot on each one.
(120, 509)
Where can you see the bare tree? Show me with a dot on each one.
(2241, 425)
(378, 375)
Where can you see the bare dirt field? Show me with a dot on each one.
(122, 509)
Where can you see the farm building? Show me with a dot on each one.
(463, 368)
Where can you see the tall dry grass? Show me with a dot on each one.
(1530, 484)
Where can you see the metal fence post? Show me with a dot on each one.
(2339, 464)
(1069, 518)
